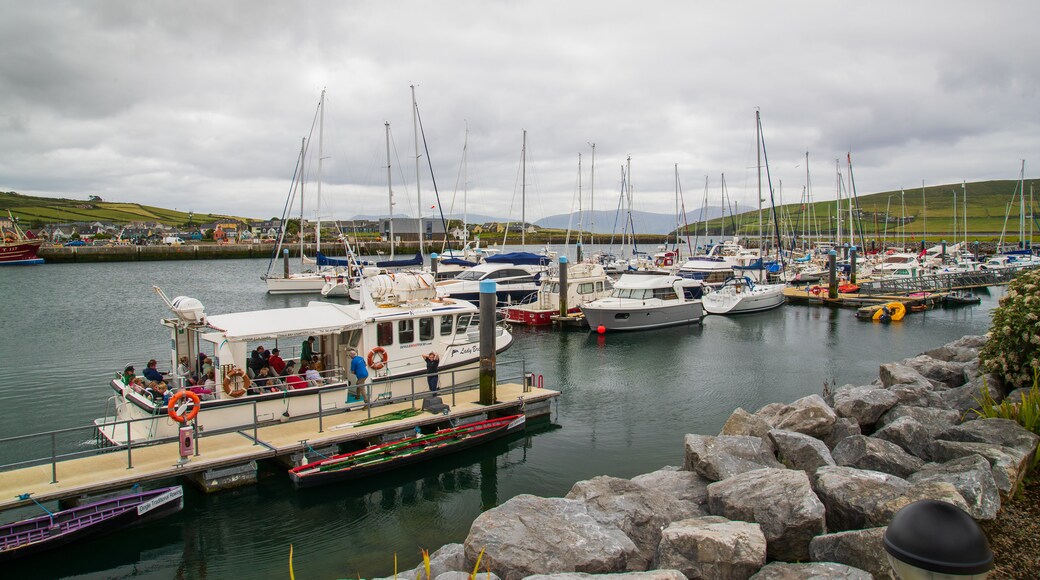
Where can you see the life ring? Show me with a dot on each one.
(372, 361)
(235, 386)
(816, 290)
(171, 408)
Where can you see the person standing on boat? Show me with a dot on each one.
(307, 350)
(360, 370)
(276, 363)
(432, 362)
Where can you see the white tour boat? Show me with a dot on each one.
(640, 302)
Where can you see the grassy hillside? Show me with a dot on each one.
(931, 209)
(45, 210)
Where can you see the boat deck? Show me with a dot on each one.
(107, 471)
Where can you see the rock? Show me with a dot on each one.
(855, 498)
(1016, 395)
(899, 374)
(909, 434)
(952, 353)
(648, 575)
(531, 535)
(636, 510)
(932, 419)
(1003, 432)
(447, 558)
(799, 451)
(972, 370)
(842, 428)
(875, 454)
(781, 501)
(937, 490)
(809, 415)
(917, 396)
(1009, 466)
(829, 394)
(455, 575)
(972, 478)
(814, 571)
(726, 455)
(682, 485)
(950, 374)
(711, 547)
(864, 404)
(967, 398)
(741, 422)
(863, 549)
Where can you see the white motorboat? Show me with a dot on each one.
(336, 286)
(640, 302)
(585, 283)
(742, 296)
(391, 335)
(899, 264)
(516, 275)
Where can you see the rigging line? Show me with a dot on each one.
(772, 203)
(285, 214)
(433, 178)
(451, 206)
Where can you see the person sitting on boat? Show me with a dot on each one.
(128, 375)
(276, 363)
(152, 374)
(293, 380)
(312, 375)
(183, 370)
(317, 364)
(205, 390)
(256, 362)
(261, 381)
(432, 362)
(156, 390)
(207, 366)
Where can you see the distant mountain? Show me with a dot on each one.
(643, 222)
(471, 218)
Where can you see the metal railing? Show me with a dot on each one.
(940, 282)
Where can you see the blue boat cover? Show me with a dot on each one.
(417, 260)
(519, 258)
(324, 260)
(458, 262)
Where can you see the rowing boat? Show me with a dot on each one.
(386, 456)
(35, 535)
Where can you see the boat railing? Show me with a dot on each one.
(61, 445)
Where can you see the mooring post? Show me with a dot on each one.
(852, 265)
(488, 374)
(563, 285)
(434, 262)
(285, 262)
(579, 252)
(832, 266)
(944, 251)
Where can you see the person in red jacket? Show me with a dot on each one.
(276, 363)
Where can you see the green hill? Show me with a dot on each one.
(37, 211)
(928, 213)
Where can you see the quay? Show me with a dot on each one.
(874, 292)
(229, 455)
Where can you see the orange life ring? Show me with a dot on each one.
(372, 364)
(816, 290)
(235, 386)
(171, 408)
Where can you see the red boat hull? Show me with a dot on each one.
(20, 252)
(534, 317)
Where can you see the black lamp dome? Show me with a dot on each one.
(938, 537)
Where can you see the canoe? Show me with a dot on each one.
(387, 456)
(42, 533)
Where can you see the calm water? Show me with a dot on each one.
(627, 401)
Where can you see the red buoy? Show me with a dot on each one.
(601, 329)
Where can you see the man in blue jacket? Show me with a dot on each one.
(151, 373)
(359, 370)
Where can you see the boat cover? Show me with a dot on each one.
(458, 262)
(319, 318)
(324, 260)
(417, 260)
(519, 258)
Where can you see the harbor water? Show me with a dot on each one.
(627, 400)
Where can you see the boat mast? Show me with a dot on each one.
(924, 215)
(418, 193)
(303, 161)
(955, 216)
(630, 223)
(592, 197)
(389, 188)
(321, 140)
(837, 203)
(722, 231)
(964, 205)
(579, 203)
(465, 190)
(758, 149)
(1022, 206)
(523, 193)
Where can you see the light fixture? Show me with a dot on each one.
(931, 539)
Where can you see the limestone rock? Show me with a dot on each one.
(864, 404)
(875, 454)
(648, 575)
(636, 510)
(682, 485)
(972, 478)
(899, 374)
(726, 455)
(814, 571)
(918, 396)
(863, 549)
(1008, 466)
(937, 490)
(809, 415)
(966, 398)
(950, 374)
(934, 419)
(953, 352)
(781, 501)
(712, 548)
(855, 498)
(909, 434)
(843, 427)
(800, 451)
(1003, 432)
(532, 535)
(741, 422)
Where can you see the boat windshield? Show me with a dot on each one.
(550, 288)
(471, 275)
(633, 293)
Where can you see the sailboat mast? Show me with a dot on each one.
(1022, 206)
(924, 215)
(758, 149)
(630, 224)
(303, 161)
(418, 193)
(837, 203)
(964, 205)
(579, 202)
(592, 197)
(523, 193)
(465, 190)
(321, 143)
(389, 188)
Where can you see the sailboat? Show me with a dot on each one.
(741, 295)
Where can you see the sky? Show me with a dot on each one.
(202, 106)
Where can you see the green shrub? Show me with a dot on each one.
(1013, 348)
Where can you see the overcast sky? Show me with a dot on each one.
(202, 105)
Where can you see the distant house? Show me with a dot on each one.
(408, 229)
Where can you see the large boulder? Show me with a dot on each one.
(973, 479)
(856, 498)
(531, 535)
(814, 570)
(455, 575)
(448, 559)
(741, 422)
(636, 510)
(955, 352)
(711, 547)
(892, 374)
(727, 455)
(864, 404)
(1003, 432)
(809, 415)
(875, 454)
(843, 427)
(950, 374)
(918, 396)
(1008, 466)
(781, 501)
(863, 549)
(969, 397)
(937, 490)
(909, 434)
(648, 575)
(934, 419)
(800, 451)
(682, 485)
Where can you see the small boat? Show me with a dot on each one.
(336, 287)
(640, 302)
(517, 276)
(585, 283)
(386, 456)
(889, 312)
(848, 288)
(962, 297)
(742, 296)
(35, 535)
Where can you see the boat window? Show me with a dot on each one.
(426, 329)
(463, 323)
(586, 288)
(405, 331)
(385, 333)
(621, 316)
(665, 293)
(470, 275)
(447, 324)
(634, 293)
(551, 288)
(599, 286)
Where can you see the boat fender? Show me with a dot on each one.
(171, 408)
(377, 358)
(236, 382)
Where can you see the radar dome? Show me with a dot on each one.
(188, 309)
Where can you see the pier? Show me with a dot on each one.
(231, 456)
